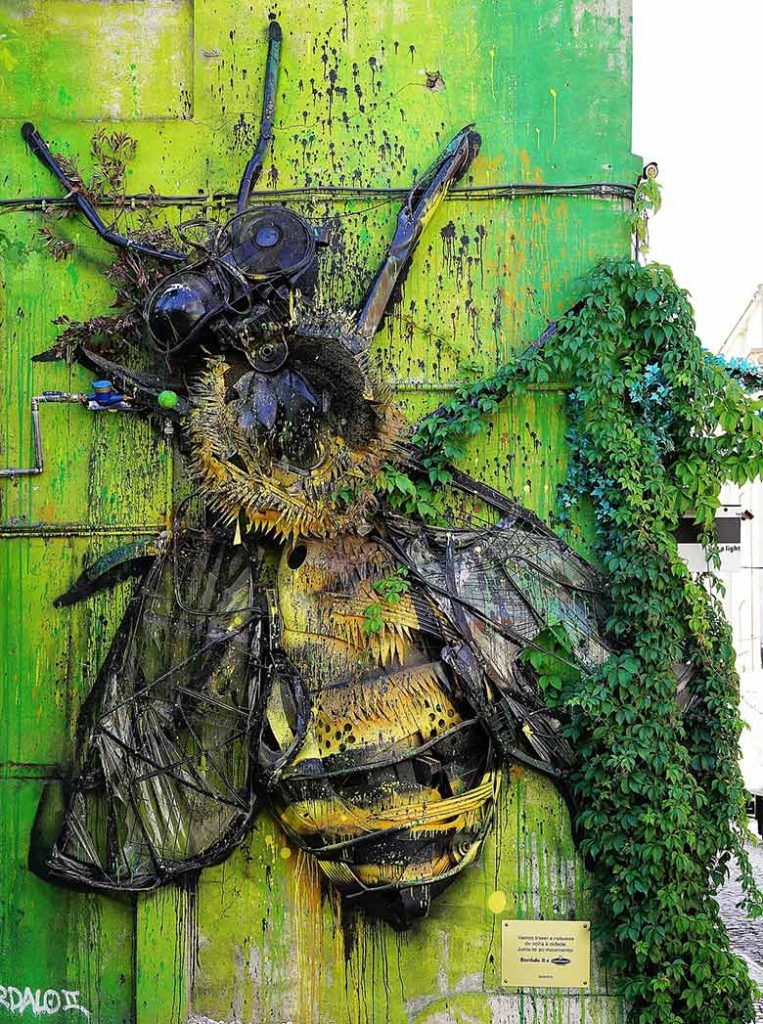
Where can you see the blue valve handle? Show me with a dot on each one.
(103, 396)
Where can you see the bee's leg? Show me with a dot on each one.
(133, 559)
(422, 201)
(253, 168)
(40, 149)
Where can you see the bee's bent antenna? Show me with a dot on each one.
(40, 149)
(253, 168)
(415, 213)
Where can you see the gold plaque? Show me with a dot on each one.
(547, 954)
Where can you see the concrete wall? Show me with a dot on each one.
(548, 85)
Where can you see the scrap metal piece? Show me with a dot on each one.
(40, 149)
(416, 212)
(253, 168)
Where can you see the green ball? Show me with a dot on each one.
(167, 399)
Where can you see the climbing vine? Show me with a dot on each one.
(646, 201)
(656, 425)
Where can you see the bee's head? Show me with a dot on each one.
(289, 430)
(245, 275)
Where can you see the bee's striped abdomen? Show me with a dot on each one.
(394, 786)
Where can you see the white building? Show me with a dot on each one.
(740, 529)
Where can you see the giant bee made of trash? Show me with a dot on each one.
(244, 674)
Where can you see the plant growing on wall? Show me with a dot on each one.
(656, 425)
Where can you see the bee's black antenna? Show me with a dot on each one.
(40, 149)
(416, 212)
(253, 168)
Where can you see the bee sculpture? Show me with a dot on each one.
(244, 673)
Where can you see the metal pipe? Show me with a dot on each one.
(37, 401)
(40, 149)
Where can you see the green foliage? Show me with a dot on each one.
(391, 590)
(373, 618)
(440, 437)
(656, 426)
(646, 200)
(344, 496)
(392, 587)
(408, 496)
(551, 659)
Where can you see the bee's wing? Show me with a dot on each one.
(164, 777)
(498, 589)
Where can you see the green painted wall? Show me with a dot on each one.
(548, 84)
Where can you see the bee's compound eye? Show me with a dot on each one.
(178, 306)
(271, 242)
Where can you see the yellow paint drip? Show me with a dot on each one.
(552, 93)
(496, 901)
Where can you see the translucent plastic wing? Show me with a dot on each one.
(500, 591)
(164, 782)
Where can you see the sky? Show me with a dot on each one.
(698, 111)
